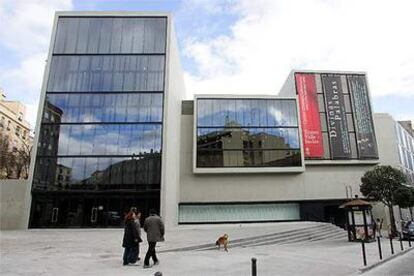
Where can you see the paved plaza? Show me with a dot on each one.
(99, 251)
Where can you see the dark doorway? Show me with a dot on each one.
(90, 210)
(335, 215)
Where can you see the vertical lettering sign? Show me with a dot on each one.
(364, 126)
(309, 114)
(336, 117)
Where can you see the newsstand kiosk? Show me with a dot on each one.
(359, 219)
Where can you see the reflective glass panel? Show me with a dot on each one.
(98, 108)
(106, 73)
(85, 35)
(248, 158)
(246, 112)
(247, 133)
(99, 139)
(248, 138)
(72, 173)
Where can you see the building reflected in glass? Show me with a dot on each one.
(247, 132)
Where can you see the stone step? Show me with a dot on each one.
(212, 245)
(316, 231)
(303, 237)
(289, 237)
(331, 237)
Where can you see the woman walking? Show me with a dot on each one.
(130, 240)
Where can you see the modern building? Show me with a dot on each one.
(396, 148)
(13, 125)
(108, 120)
(115, 132)
(295, 156)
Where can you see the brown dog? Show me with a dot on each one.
(223, 240)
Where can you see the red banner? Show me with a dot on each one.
(309, 114)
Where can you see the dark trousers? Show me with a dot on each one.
(131, 254)
(151, 253)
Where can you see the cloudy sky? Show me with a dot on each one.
(240, 46)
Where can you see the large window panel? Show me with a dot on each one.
(97, 173)
(100, 139)
(87, 35)
(247, 133)
(250, 138)
(106, 73)
(246, 112)
(248, 158)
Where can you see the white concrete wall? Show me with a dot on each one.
(318, 182)
(386, 139)
(174, 94)
(13, 204)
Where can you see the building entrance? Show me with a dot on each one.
(76, 211)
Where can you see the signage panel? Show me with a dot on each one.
(336, 117)
(309, 113)
(364, 126)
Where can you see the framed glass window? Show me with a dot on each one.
(247, 132)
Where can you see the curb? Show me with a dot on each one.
(367, 268)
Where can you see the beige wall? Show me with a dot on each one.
(386, 139)
(174, 94)
(13, 204)
(317, 182)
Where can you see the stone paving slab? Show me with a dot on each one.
(98, 252)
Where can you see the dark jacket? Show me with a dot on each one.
(154, 227)
(131, 236)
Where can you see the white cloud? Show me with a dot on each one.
(25, 33)
(272, 37)
(26, 25)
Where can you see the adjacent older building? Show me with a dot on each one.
(15, 130)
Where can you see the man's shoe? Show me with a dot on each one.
(146, 266)
(157, 262)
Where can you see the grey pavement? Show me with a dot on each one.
(401, 266)
(99, 252)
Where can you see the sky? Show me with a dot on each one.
(239, 46)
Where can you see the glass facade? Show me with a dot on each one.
(100, 140)
(246, 132)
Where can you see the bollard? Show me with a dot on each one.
(401, 243)
(254, 267)
(392, 246)
(379, 247)
(363, 253)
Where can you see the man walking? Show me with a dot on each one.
(154, 227)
